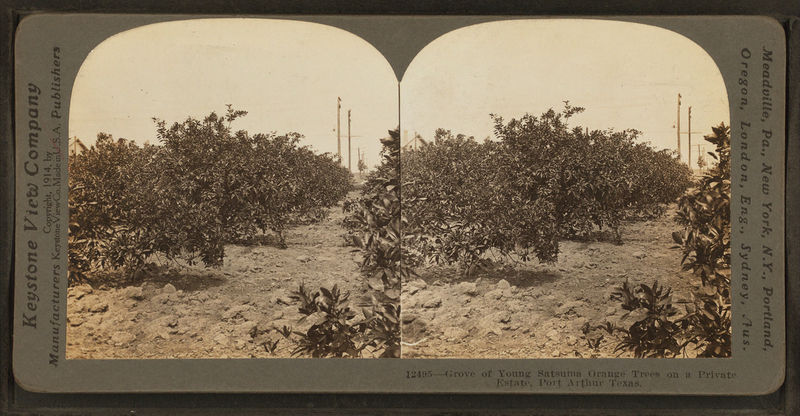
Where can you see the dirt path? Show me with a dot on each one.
(534, 310)
(202, 312)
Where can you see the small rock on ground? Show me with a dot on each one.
(455, 333)
(468, 288)
(98, 307)
(122, 338)
(133, 292)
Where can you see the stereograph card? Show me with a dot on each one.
(399, 204)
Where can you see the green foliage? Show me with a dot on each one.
(337, 330)
(454, 200)
(375, 220)
(704, 211)
(375, 225)
(656, 331)
(332, 332)
(102, 186)
(538, 182)
(592, 179)
(203, 187)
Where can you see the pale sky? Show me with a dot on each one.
(286, 74)
(626, 75)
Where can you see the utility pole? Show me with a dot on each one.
(678, 125)
(338, 128)
(349, 153)
(689, 132)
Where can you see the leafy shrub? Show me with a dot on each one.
(704, 211)
(332, 334)
(593, 179)
(656, 332)
(661, 180)
(538, 182)
(337, 330)
(102, 186)
(203, 187)
(375, 223)
(454, 202)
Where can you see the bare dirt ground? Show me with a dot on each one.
(227, 312)
(532, 310)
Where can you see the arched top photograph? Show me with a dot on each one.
(567, 193)
(220, 173)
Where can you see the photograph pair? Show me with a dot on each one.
(531, 188)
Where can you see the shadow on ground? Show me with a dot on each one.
(183, 279)
(516, 275)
